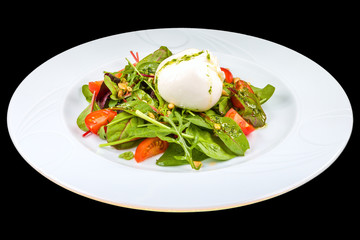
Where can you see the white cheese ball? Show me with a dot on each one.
(190, 79)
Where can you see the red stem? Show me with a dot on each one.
(135, 57)
(87, 133)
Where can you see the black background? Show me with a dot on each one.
(326, 34)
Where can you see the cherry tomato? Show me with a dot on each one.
(150, 147)
(228, 75)
(244, 125)
(96, 119)
(95, 86)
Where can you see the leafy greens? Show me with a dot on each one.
(143, 113)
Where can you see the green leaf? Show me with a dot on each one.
(127, 155)
(169, 158)
(86, 92)
(252, 112)
(223, 105)
(231, 135)
(141, 101)
(122, 127)
(265, 93)
(80, 121)
(198, 121)
(209, 144)
(102, 133)
(113, 87)
(150, 63)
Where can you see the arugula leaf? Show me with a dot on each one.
(180, 139)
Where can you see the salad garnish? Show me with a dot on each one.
(127, 110)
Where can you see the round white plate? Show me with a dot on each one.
(299, 142)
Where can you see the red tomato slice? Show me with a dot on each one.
(96, 119)
(244, 125)
(95, 86)
(150, 147)
(228, 75)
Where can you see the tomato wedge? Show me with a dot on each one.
(228, 75)
(150, 147)
(244, 125)
(96, 119)
(95, 86)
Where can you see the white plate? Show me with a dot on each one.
(299, 142)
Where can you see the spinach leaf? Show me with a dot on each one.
(102, 132)
(141, 101)
(223, 105)
(80, 121)
(86, 92)
(198, 121)
(174, 150)
(152, 131)
(150, 63)
(209, 144)
(231, 134)
(121, 127)
(265, 93)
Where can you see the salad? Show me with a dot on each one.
(183, 105)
